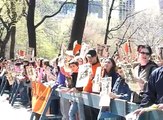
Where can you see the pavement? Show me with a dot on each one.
(15, 112)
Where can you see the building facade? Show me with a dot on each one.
(161, 4)
(126, 7)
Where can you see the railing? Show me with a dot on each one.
(117, 107)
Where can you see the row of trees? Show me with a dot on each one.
(33, 15)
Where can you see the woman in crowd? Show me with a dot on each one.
(109, 69)
(143, 69)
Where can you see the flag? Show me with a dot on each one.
(126, 48)
(40, 95)
(76, 48)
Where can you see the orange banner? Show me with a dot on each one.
(126, 48)
(76, 49)
(40, 95)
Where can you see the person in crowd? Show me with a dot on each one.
(4, 66)
(26, 84)
(47, 76)
(73, 64)
(143, 69)
(39, 69)
(63, 74)
(154, 92)
(79, 60)
(109, 69)
(121, 89)
(92, 58)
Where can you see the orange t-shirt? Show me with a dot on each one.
(88, 87)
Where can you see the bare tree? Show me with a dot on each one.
(110, 30)
(151, 29)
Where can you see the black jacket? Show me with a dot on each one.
(154, 92)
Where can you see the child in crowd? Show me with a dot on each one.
(73, 64)
(121, 89)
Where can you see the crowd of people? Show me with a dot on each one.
(63, 71)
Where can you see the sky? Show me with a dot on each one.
(146, 4)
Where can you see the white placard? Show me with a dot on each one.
(96, 80)
(83, 75)
(131, 116)
(106, 84)
(84, 49)
(30, 53)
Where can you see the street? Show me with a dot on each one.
(15, 112)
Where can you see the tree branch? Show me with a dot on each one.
(49, 16)
(8, 11)
(125, 34)
(123, 38)
(1, 32)
(135, 31)
(119, 26)
(4, 24)
(23, 12)
(27, 2)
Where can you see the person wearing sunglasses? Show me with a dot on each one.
(143, 69)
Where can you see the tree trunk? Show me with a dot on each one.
(31, 26)
(108, 22)
(12, 45)
(3, 47)
(78, 23)
(3, 44)
(13, 29)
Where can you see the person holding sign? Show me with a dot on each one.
(93, 60)
(109, 69)
(119, 89)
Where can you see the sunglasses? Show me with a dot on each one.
(145, 53)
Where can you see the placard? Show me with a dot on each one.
(84, 49)
(131, 116)
(83, 75)
(106, 84)
(10, 77)
(96, 81)
(31, 73)
(102, 50)
(30, 53)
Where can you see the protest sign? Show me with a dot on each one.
(106, 84)
(83, 75)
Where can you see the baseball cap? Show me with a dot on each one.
(92, 53)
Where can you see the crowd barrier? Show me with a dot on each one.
(117, 107)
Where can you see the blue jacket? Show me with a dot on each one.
(154, 92)
(114, 76)
(60, 80)
(121, 88)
